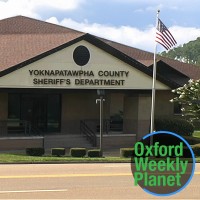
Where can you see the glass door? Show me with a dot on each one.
(34, 110)
(43, 111)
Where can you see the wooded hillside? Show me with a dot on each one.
(188, 53)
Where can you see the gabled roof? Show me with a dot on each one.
(26, 25)
(24, 40)
(165, 70)
(146, 58)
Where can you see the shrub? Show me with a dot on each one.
(126, 152)
(94, 153)
(179, 126)
(192, 140)
(196, 149)
(186, 152)
(35, 151)
(77, 152)
(58, 151)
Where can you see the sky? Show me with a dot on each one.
(130, 22)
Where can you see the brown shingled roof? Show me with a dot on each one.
(146, 58)
(192, 71)
(26, 25)
(23, 38)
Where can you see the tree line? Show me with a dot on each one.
(187, 53)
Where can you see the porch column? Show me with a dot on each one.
(144, 115)
(137, 111)
(130, 115)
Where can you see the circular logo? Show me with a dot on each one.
(81, 55)
(163, 163)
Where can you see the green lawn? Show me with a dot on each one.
(21, 158)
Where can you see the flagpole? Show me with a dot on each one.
(154, 85)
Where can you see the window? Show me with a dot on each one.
(53, 113)
(14, 106)
(42, 111)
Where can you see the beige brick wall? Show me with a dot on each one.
(76, 107)
(137, 111)
(20, 143)
(116, 103)
(82, 105)
(130, 125)
(117, 141)
(163, 107)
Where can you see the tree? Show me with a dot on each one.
(189, 97)
(187, 53)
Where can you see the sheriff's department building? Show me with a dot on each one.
(52, 76)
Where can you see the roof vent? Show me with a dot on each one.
(81, 55)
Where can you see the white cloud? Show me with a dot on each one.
(58, 4)
(32, 8)
(13, 7)
(185, 34)
(53, 20)
(142, 39)
(123, 34)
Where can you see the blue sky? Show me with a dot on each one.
(130, 22)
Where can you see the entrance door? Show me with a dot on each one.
(43, 111)
(33, 109)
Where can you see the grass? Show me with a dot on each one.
(21, 158)
(196, 134)
(197, 160)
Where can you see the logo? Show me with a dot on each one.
(166, 166)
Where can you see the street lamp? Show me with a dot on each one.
(101, 94)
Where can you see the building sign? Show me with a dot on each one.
(78, 77)
(88, 68)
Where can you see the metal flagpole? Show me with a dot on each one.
(101, 93)
(153, 85)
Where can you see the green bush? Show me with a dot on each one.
(77, 152)
(130, 152)
(58, 151)
(179, 126)
(94, 153)
(196, 149)
(186, 152)
(126, 152)
(35, 151)
(192, 140)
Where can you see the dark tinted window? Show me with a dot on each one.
(13, 106)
